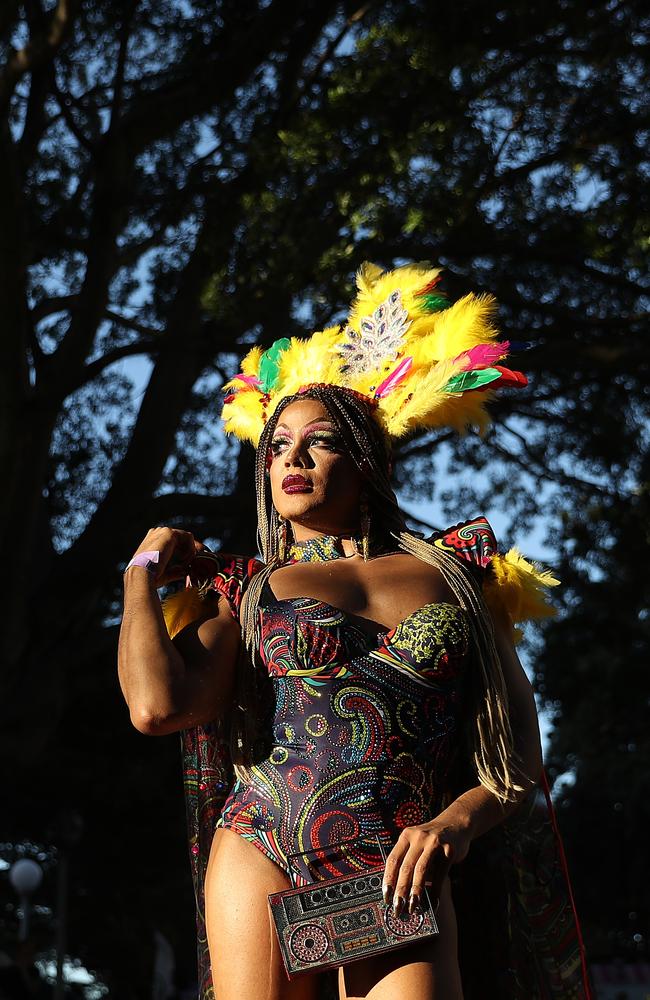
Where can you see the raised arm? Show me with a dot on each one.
(168, 685)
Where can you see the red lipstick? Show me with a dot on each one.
(296, 484)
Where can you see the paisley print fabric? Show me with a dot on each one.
(208, 772)
(366, 732)
(363, 733)
(472, 541)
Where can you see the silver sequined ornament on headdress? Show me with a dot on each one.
(379, 339)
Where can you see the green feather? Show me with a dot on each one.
(471, 380)
(433, 303)
(270, 363)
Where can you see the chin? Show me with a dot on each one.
(298, 506)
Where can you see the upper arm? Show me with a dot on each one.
(209, 647)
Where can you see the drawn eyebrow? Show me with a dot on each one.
(319, 423)
(315, 423)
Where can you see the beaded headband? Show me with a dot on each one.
(416, 360)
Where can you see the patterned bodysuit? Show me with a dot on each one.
(364, 730)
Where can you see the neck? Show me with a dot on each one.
(342, 540)
(319, 546)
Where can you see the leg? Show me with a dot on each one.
(424, 972)
(244, 951)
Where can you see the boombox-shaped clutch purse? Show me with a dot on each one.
(340, 920)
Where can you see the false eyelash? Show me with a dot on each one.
(277, 441)
(331, 437)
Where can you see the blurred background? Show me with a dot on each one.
(182, 178)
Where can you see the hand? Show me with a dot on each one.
(176, 547)
(422, 856)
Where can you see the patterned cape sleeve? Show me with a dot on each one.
(519, 934)
(509, 581)
(207, 765)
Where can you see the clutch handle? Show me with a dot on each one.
(326, 847)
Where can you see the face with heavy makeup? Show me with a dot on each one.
(315, 483)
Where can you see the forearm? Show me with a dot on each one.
(477, 810)
(150, 668)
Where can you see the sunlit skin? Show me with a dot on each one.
(307, 442)
(175, 685)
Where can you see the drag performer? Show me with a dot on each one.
(358, 684)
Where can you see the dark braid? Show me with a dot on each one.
(490, 733)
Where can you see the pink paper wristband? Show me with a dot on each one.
(147, 560)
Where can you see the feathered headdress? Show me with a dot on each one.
(419, 361)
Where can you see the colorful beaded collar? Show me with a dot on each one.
(321, 549)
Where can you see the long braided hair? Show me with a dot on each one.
(488, 730)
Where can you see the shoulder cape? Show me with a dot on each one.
(519, 935)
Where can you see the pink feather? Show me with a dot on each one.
(393, 380)
(482, 356)
(251, 381)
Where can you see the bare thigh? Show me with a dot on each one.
(424, 972)
(244, 953)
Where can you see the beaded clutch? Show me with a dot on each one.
(336, 921)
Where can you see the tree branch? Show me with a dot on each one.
(40, 85)
(419, 447)
(168, 506)
(37, 51)
(8, 12)
(120, 68)
(131, 324)
(95, 368)
(544, 472)
(68, 117)
(54, 304)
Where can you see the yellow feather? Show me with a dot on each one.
(409, 279)
(181, 609)
(464, 325)
(309, 360)
(251, 363)
(421, 402)
(367, 275)
(243, 417)
(519, 586)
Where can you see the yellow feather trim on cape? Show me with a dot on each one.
(520, 587)
(181, 609)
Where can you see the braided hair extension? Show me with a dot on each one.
(489, 732)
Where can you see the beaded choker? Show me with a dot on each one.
(321, 549)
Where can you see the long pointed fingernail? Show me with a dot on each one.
(398, 903)
(414, 903)
(387, 893)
